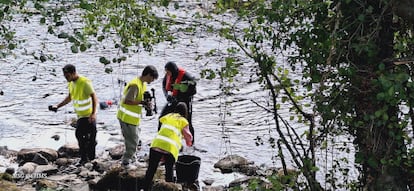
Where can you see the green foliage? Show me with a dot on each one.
(130, 25)
(7, 40)
(336, 48)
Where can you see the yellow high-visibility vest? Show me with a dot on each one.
(131, 114)
(82, 101)
(169, 136)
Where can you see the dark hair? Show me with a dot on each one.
(181, 108)
(172, 67)
(151, 70)
(69, 68)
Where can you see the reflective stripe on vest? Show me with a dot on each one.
(82, 103)
(131, 114)
(172, 142)
(168, 85)
(172, 128)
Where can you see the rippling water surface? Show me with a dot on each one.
(27, 123)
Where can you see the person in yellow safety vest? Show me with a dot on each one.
(167, 143)
(130, 108)
(82, 94)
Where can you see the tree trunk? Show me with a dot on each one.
(375, 139)
(404, 9)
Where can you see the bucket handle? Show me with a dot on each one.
(189, 163)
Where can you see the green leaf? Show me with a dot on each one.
(63, 35)
(74, 49)
(381, 66)
(378, 113)
(59, 23)
(372, 162)
(108, 70)
(5, 1)
(359, 157)
(101, 38)
(85, 5)
(125, 50)
(83, 47)
(50, 30)
(380, 96)
(11, 46)
(38, 6)
(104, 61)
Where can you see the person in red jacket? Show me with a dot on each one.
(178, 85)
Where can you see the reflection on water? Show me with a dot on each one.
(26, 122)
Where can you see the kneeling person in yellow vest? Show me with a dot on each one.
(167, 143)
(129, 112)
(84, 99)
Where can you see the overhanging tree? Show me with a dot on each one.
(348, 50)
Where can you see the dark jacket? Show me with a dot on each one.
(187, 78)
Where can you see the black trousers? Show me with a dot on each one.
(154, 159)
(86, 136)
(169, 107)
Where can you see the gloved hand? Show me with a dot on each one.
(53, 108)
(171, 99)
(147, 104)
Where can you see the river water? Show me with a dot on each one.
(29, 86)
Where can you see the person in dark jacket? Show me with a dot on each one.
(178, 85)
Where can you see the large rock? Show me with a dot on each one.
(44, 184)
(232, 163)
(116, 152)
(244, 183)
(4, 151)
(45, 170)
(64, 162)
(214, 188)
(27, 155)
(120, 179)
(161, 185)
(27, 168)
(69, 150)
(101, 165)
(40, 159)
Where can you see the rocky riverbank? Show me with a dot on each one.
(48, 169)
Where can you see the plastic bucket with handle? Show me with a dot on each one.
(187, 168)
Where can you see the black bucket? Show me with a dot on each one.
(187, 168)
